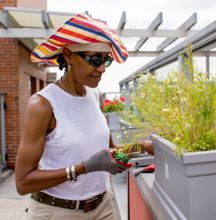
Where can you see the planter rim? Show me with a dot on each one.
(112, 113)
(187, 157)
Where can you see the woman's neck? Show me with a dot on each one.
(70, 86)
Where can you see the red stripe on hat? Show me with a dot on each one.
(49, 47)
(114, 54)
(79, 36)
(94, 27)
(62, 40)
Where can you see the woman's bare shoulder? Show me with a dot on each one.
(37, 105)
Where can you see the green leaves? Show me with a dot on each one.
(121, 157)
(181, 110)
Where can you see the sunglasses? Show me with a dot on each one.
(96, 60)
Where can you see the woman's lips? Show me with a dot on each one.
(97, 77)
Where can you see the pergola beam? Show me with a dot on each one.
(202, 39)
(122, 21)
(155, 33)
(45, 33)
(144, 53)
(46, 20)
(189, 23)
(28, 43)
(25, 33)
(157, 53)
(4, 19)
(153, 26)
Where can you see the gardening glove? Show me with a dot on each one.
(104, 161)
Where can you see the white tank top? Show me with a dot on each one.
(81, 130)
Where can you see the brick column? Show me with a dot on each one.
(8, 3)
(16, 71)
(10, 85)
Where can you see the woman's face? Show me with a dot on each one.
(83, 72)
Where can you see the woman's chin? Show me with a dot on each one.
(92, 85)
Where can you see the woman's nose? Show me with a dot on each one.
(101, 68)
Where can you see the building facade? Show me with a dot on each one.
(19, 79)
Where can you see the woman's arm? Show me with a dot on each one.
(28, 177)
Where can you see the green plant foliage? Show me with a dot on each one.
(181, 109)
(120, 156)
(130, 148)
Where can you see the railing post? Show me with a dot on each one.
(127, 92)
(186, 65)
(3, 145)
(121, 88)
(207, 64)
(135, 110)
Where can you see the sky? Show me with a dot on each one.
(139, 14)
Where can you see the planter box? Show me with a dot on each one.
(186, 184)
(120, 177)
(113, 121)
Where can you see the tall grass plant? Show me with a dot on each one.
(181, 109)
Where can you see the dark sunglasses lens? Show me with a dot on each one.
(96, 61)
(108, 61)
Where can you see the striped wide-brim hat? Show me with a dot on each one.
(79, 29)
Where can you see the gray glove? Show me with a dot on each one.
(103, 161)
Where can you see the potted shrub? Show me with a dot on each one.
(181, 113)
(112, 109)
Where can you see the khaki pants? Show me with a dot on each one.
(40, 211)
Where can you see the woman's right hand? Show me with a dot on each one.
(103, 161)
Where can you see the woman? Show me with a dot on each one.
(63, 158)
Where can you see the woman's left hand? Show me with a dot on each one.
(148, 147)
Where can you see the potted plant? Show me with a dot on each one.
(112, 109)
(181, 113)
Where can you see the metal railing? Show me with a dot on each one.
(110, 95)
(2, 135)
(202, 41)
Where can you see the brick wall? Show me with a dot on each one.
(8, 3)
(15, 73)
(16, 70)
(40, 4)
(9, 85)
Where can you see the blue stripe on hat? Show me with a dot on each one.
(98, 33)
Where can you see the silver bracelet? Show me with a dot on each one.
(73, 172)
(67, 170)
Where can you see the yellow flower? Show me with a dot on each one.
(187, 125)
(165, 110)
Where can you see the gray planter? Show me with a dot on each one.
(186, 184)
(120, 177)
(113, 121)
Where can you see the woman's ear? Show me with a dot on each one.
(67, 54)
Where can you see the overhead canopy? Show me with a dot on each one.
(203, 44)
(32, 26)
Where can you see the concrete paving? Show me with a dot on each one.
(12, 205)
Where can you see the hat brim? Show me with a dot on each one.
(78, 32)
